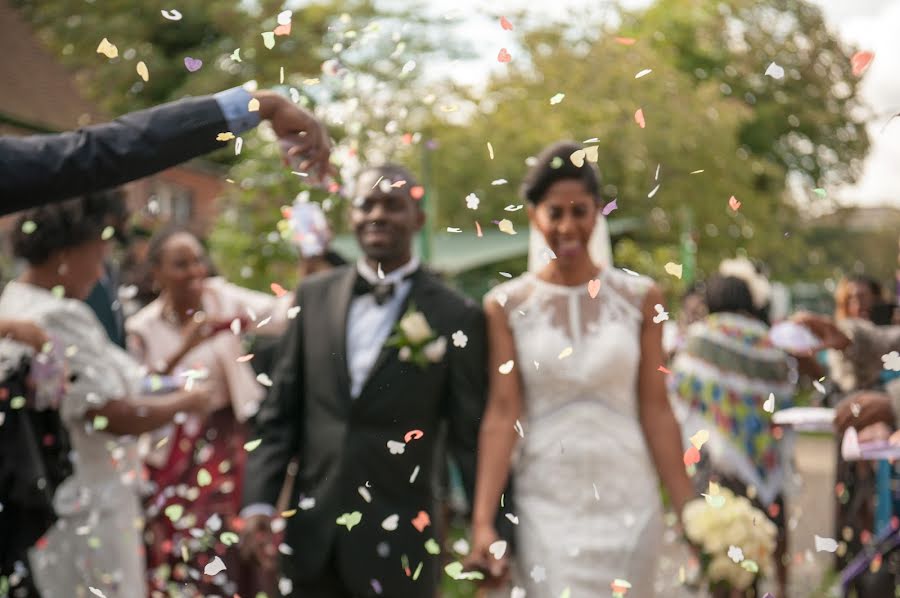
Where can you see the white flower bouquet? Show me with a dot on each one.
(416, 340)
(735, 539)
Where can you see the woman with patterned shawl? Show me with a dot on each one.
(725, 372)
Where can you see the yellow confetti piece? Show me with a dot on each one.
(699, 439)
(253, 105)
(100, 422)
(58, 291)
(281, 75)
(29, 226)
(490, 150)
(17, 402)
(288, 514)
(229, 538)
(174, 512)
(674, 269)
(142, 71)
(107, 49)
(204, 478)
(565, 353)
(236, 55)
(506, 226)
(108, 233)
(268, 39)
(226, 136)
(251, 446)
(185, 555)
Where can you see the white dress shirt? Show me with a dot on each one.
(369, 325)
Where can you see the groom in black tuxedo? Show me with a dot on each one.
(364, 418)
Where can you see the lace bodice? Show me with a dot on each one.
(573, 347)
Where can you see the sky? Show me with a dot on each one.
(870, 24)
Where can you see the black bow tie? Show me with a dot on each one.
(381, 291)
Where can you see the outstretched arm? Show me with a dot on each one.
(45, 168)
(661, 429)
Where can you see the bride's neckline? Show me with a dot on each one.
(567, 288)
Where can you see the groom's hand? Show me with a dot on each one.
(496, 571)
(258, 542)
(304, 138)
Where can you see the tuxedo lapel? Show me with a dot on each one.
(339, 309)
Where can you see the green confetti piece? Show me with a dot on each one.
(229, 538)
(415, 576)
(566, 593)
(58, 291)
(350, 520)
(17, 402)
(432, 547)
(268, 39)
(251, 446)
(204, 478)
(174, 512)
(820, 192)
(108, 233)
(455, 571)
(100, 422)
(155, 383)
(556, 162)
(750, 566)
(94, 542)
(28, 227)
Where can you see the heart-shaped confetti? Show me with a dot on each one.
(775, 71)
(577, 158)
(107, 49)
(174, 512)
(421, 521)
(826, 544)
(700, 438)
(639, 118)
(350, 520)
(733, 203)
(503, 56)
(390, 523)
(674, 269)
(192, 64)
(505, 24)
(861, 61)
(214, 567)
(507, 367)
(594, 288)
(498, 549)
(142, 71)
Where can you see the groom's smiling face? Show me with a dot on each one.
(385, 218)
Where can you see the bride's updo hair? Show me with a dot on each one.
(554, 164)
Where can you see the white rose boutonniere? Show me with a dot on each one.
(416, 340)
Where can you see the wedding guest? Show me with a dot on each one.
(96, 541)
(573, 358)
(45, 168)
(187, 328)
(855, 297)
(722, 377)
(104, 297)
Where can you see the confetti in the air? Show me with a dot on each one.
(733, 203)
(507, 367)
(594, 287)
(29, 226)
(639, 118)
(506, 226)
(643, 73)
(498, 549)
(674, 269)
(769, 404)
(396, 447)
(661, 314)
(825, 544)
(625, 41)
(268, 39)
(226, 136)
(172, 15)
(236, 55)
(96, 592)
(503, 56)
(699, 439)
(891, 361)
(214, 567)
(251, 446)
(735, 554)
(460, 339)
(609, 208)
(557, 99)
(565, 353)
(192, 64)
(775, 71)
(107, 49)
(505, 24)
(142, 71)
(350, 520)
(499, 182)
(490, 150)
(421, 521)
(861, 61)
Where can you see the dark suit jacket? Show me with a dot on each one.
(43, 168)
(342, 442)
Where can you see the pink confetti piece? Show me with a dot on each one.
(503, 56)
(639, 118)
(861, 61)
(505, 24)
(608, 208)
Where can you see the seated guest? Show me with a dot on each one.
(188, 328)
(95, 544)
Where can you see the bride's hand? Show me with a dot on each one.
(496, 571)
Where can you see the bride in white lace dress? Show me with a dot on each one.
(577, 413)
